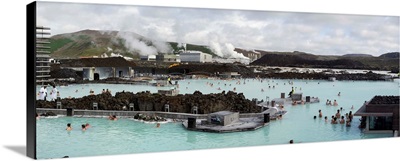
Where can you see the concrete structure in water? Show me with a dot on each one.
(380, 115)
(100, 68)
(227, 121)
(223, 118)
(42, 54)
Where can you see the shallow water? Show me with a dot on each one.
(127, 136)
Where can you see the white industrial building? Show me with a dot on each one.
(100, 68)
(195, 56)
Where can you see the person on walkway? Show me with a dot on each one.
(53, 93)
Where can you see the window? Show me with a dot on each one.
(380, 123)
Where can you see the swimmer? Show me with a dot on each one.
(342, 120)
(158, 125)
(37, 117)
(112, 117)
(348, 123)
(338, 114)
(350, 116)
(352, 107)
(291, 142)
(326, 118)
(335, 103)
(262, 90)
(234, 89)
(87, 125)
(69, 128)
(320, 113)
(334, 121)
(315, 117)
(76, 91)
(338, 94)
(83, 127)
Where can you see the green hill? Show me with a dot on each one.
(87, 43)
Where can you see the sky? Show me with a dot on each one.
(321, 34)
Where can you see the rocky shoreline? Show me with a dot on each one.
(146, 101)
(321, 76)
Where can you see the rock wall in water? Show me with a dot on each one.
(146, 101)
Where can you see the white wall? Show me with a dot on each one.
(204, 57)
(190, 57)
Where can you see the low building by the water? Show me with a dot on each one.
(380, 114)
(100, 68)
(229, 75)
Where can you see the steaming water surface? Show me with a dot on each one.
(126, 136)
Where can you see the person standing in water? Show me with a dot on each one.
(69, 127)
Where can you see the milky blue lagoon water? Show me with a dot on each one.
(126, 136)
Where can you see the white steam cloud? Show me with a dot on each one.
(182, 45)
(134, 44)
(226, 50)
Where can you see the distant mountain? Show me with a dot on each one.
(357, 55)
(392, 55)
(388, 61)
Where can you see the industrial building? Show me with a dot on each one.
(42, 54)
(148, 57)
(100, 68)
(168, 58)
(195, 56)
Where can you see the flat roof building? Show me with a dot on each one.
(380, 114)
(195, 56)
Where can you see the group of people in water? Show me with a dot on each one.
(338, 118)
(329, 103)
(84, 127)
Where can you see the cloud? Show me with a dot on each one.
(327, 34)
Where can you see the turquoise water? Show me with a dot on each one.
(126, 136)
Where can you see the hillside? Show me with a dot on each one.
(87, 43)
(388, 61)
